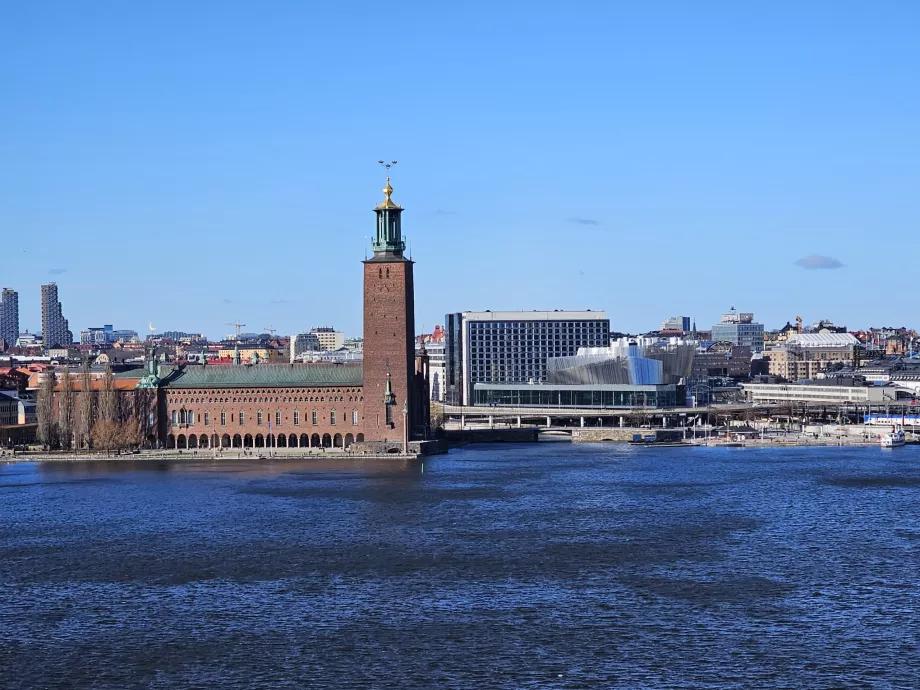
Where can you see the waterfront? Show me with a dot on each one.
(548, 565)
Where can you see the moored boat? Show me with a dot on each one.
(893, 439)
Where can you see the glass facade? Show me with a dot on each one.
(556, 396)
(744, 334)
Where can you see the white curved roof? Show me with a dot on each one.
(823, 340)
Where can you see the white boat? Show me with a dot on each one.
(894, 439)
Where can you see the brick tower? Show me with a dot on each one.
(389, 331)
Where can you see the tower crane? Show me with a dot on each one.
(237, 325)
(270, 330)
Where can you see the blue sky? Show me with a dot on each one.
(192, 164)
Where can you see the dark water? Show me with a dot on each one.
(550, 566)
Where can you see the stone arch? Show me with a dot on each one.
(225, 441)
(203, 441)
(170, 441)
(327, 441)
(260, 441)
(192, 441)
(349, 439)
(181, 441)
(292, 440)
(237, 441)
(337, 441)
(315, 441)
(281, 441)
(359, 438)
(247, 441)
(215, 441)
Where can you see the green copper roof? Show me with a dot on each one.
(263, 375)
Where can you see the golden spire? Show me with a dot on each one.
(387, 193)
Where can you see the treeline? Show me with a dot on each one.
(104, 419)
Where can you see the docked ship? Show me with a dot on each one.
(893, 439)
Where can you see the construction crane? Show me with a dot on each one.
(798, 324)
(237, 325)
(269, 329)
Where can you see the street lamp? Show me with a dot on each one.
(405, 413)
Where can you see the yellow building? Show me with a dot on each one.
(262, 354)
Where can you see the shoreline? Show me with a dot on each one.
(171, 455)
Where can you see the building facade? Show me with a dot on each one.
(9, 317)
(55, 329)
(329, 339)
(383, 400)
(107, 335)
(513, 347)
(739, 329)
(303, 342)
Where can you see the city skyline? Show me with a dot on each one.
(640, 152)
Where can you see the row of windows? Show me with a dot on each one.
(184, 416)
(259, 391)
(321, 398)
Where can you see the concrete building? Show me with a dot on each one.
(675, 324)
(739, 329)
(513, 347)
(304, 342)
(826, 392)
(9, 317)
(329, 338)
(721, 361)
(55, 329)
(437, 368)
(9, 408)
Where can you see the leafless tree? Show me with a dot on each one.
(130, 433)
(86, 406)
(108, 403)
(66, 411)
(105, 435)
(45, 409)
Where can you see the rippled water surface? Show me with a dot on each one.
(543, 566)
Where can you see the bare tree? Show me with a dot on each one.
(130, 435)
(86, 406)
(45, 409)
(108, 403)
(105, 435)
(66, 411)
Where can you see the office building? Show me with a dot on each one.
(9, 317)
(55, 329)
(804, 355)
(513, 347)
(676, 324)
(329, 338)
(826, 392)
(739, 329)
(106, 335)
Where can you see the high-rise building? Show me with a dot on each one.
(739, 329)
(675, 324)
(55, 329)
(304, 342)
(9, 317)
(513, 346)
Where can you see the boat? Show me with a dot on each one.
(894, 439)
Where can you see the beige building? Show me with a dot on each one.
(262, 354)
(329, 338)
(805, 355)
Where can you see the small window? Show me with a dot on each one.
(175, 417)
(207, 419)
(259, 418)
(296, 417)
(223, 418)
(242, 417)
(332, 417)
(315, 418)
(278, 418)
(354, 418)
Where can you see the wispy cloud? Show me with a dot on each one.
(227, 301)
(814, 262)
(584, 221)
(280, 301)
(445, 212)
(57, 271)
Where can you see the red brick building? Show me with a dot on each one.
(385, 399)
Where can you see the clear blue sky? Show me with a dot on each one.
(195, 163)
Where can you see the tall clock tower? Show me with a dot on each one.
(389, 331)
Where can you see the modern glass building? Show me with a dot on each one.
(513, 347)
(630, 373)
(739, 329)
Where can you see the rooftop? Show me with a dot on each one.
(263, 375)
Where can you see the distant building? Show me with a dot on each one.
(822, 392)
(329, 338)
(28, 340)
(106, 335)
(304, 342)
(513, 347)
(55, 329)
(721, 360)
(9, 408)
(178, 336)
(739, 329)
(676, 324)
(437, 368)
(9, 317)
(805, 355)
